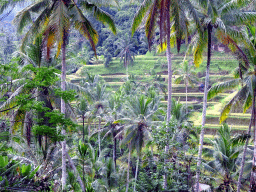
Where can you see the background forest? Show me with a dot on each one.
(153, 95)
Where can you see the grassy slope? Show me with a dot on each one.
(144, 65)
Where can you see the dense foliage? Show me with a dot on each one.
(64, 127)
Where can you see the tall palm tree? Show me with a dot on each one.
(246, 89)
(54, 21)
(141, 110)
(114, 120)
(167, 11)
(219, 18)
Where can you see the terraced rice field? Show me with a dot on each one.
(147, 66)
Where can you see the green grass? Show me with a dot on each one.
(145, 63)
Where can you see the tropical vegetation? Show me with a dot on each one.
(89, 101)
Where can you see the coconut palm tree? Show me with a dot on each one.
(245, 85)
(114, 120)
(126, 52)
(140, 109)
(225, 158)
(82, 108)
(54, 22)
(167, 11)
(219, 18)
(187, 75)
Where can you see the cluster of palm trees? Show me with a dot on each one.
(193, 20)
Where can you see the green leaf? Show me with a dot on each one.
(3, 161)
(25, 169)
(34, 172)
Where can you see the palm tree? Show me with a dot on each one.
(141, 110)
(114, 120)
(126, 52)
(216, 17)
(246, 88)
(225, 157)
(82, 108)
(54, 22)
(167, 11)
(187, 75)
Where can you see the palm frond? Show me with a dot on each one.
(241, 94)
(140, 14)
(151, 22)
(175, 8)
(34, 29)
(10, 102)
(220, 87)
(84, 27)
(199, 48)
(226, 39)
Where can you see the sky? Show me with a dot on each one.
(15, 10)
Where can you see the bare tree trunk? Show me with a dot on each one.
(114, 150)
(127, 72)
(245, 146)
(83, 126)
(72, 165)
(186, 97)
(27, 127)
(152, 153)
(136, 173)
(99, 134)
(169, 100)
(89, 127)
(204, 106)
(63, 110)
(128, 168)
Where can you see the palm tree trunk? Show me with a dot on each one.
(204, 105)
(152, 153)
(27, 127)
(99, 134)
(72, 165)
(63, 110)
(136, 173)
(114, 150)
(245, 146)
(128, 168)
(83, 126)
(253, 172)
(169, 100)
(186, 97)
(83, 155)
(127, 72)
(89, 127)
